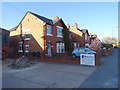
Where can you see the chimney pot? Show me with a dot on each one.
(76, 25)
(56, 18)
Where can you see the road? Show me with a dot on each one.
(106, 75)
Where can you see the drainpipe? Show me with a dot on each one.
(22, 39)
(44, 38)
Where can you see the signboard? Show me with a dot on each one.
(87, 59)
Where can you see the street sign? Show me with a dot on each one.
(87, 59)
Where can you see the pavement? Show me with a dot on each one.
(46, 75)
(106, 76)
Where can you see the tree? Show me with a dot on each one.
(95, 45)
(109, 40)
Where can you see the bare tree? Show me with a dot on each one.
(109, 40)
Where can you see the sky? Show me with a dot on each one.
(99, 18)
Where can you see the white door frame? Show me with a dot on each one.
(49, 49)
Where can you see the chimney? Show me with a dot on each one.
(56, 18)
(68, 26)
(76, 25)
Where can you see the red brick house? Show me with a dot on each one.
(38, 34)
(86, 37)
(4, 43)
(76, 36)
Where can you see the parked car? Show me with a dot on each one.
(81, 50)
(115, 47)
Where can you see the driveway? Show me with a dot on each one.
(106, 76)
(46, 75)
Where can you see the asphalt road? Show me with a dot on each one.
(106, 75)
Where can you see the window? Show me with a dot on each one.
(26, 33)
(59, 31)
(75, 45)
(26, 48)
(20, 47)
(60, 48)
(86, 36)
(27, 36)
(49, 30)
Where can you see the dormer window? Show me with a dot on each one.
(49, 30)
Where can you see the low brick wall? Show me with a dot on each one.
(106, 51)
(69, 59)
(64, 59)
(61, 60)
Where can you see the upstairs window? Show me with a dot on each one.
(49, 30)
(59, 31)
(26, 34)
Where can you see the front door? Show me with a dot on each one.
(49, 49)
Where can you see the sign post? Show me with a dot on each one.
(87, 59)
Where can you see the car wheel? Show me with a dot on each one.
(73, 55)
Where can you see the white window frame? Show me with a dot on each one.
(27, 46)
(25, 31)
(20, 45)
(59, 29)
(75, 45)
(60, 47)
(49, 30)
(27, 38)
(86, 36)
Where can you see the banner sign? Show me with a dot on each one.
(87, 59)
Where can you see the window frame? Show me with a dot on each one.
(27, 46)
(49, 30)
(60, 47)
(26, 32)
(58, 31)
(20, 45)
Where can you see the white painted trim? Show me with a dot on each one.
(49, 34)
(59, 36)
(27, 45)
(27, 39)
(26, 51)
(25, 48)
(60, 27)
(20, 51)
(20, 42)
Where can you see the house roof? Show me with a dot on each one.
(84, 31)
(3, 30)
(13, 29)
(46, 20)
